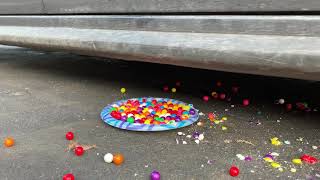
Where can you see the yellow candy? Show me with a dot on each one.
(173, 90)
(186, 108)
(267, 159)
(224, 128)
(147, 121)
(275, 165)
(224, 118)
(297, 161)
(123, 90)
(217, 122)
(164, 111)
(275, 141)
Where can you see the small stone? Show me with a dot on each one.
(252, 171)
(278, 121)
(280, 169)
(202, 165)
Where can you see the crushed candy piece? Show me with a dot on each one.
(241, 157)
(275, 141)
(293, 170)
(297, 161)
(275, 165)
(224, 128)
(309, 159)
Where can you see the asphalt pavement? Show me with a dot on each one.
(43, 95)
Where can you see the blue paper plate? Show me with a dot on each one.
(107, 118)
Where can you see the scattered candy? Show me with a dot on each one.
(68, 177)
(281, 101)
(184, 142)
(297, 161)
(173, 90)
(108, 158)
(245, 102)
(219, 84)
(8, 142)
(79, 151)
(287, 142)
(201, 137)
(69, 136)
(205, 98)
(248, 158)
(123, 90)
(155, 175)
(234, 171)
(314, 147)
(235, 89)
(275, 165)
(165, 88)
(293, 170)
(118, 159)
(178, 83)
(200, 123)
(180, 133)
(309, 159)
(222, 96)
(275, 141)
(241, 157)
(288, 107)
(197, 141)
(224, 128)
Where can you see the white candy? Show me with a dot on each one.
(108, 158)
(180, 133)
(241, 157)
(197, 141)
(201, 137)
(281, 101)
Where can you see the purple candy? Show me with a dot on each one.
(196, 135)
(248, 158)
(155, 175)
(192, 112)
(269, 156)
(123, 118)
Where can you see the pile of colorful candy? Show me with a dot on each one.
(152, 111)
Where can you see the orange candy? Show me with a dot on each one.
(118, 159)
(8, 142)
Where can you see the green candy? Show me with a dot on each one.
(130, 119)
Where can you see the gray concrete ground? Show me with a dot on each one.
(44, 95)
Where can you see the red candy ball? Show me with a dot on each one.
(69, 136)
(79, 151)
(234, 171)
(206, 98)
(222, 96)
(68, 177)
(235, 89)
(165, 88)
(288, 107)
(245, 102)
